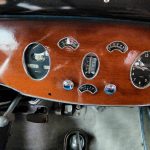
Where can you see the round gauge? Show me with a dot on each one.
(90, 65)
(140, 71)
(36, 61)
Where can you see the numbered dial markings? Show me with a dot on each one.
(90, 66)
(117, 45)
(140, 71)
(68, 42)
(36, 61)
(88, 88)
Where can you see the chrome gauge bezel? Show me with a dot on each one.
(74, 49)
(25, 67)
(97, 68)
(131, 72)
(126, 47)
(87, 90)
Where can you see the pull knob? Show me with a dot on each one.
(68, 85)
(110, 89)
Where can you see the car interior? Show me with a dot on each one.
(74, 75)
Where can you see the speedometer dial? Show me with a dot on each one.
(36, 61)
(140, 71)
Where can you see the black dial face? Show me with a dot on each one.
(90, 65)
(140, 71)
(88, 88)
(36, 61)
(117, 45)
(68, 42)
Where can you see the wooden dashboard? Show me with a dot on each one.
(66, 63)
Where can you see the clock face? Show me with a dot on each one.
(140, 71)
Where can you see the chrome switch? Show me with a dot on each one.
(68, 85)
(110, 89)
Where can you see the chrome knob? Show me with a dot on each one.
(110, 89)
(77, 142)
(68, 85)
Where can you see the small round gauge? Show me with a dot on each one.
(36, 61)
(140, 71)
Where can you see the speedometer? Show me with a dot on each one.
(36, 61)
(140, 71)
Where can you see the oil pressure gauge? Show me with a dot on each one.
(90, 65)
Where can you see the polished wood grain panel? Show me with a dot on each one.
(93, 37)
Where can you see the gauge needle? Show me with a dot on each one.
(142, 68)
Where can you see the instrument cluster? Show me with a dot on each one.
(37, 64)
